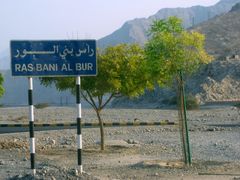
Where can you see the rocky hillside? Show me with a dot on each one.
(222, 33)
(220, 80)
(135, 31)
(222, 40)
(217, 81)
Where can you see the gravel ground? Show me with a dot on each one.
(152, 152)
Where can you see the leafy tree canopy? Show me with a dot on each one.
(171, 49)
(121, 71)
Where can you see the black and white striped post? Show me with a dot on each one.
(31, 125)
(79, 124)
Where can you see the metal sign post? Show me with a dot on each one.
(54, 58)
(31, 125)
(79, 124)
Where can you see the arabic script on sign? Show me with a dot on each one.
(55, 51)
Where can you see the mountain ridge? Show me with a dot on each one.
(135, 31)
(216, 81)
(137, 28)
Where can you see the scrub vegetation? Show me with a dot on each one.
(128, 70)
(121, 72)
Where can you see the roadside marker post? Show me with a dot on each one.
(79, 123)
(31, 125)
(72, 58)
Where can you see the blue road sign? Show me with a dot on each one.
(53, 58)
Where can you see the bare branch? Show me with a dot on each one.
(86, 99)
(92, 100)
(99, 101)
(107, 101)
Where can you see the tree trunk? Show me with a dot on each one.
(101, 129)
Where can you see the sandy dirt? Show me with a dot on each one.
(150, 152)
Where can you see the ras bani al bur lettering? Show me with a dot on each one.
(30, 67)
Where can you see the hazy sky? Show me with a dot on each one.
(72, 19)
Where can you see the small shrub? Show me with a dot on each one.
(170, 101)
(237, 105)
(41, 105)
(191, 102)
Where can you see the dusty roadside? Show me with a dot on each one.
(131, 152)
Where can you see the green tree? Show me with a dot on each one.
(172, 52)
(171, 49)
(1, 85)
(121, 72)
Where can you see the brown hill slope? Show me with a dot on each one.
(135, 31)
(222, 33)
(220, 80)
(217, 81)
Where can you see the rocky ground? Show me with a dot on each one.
(150, 152)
